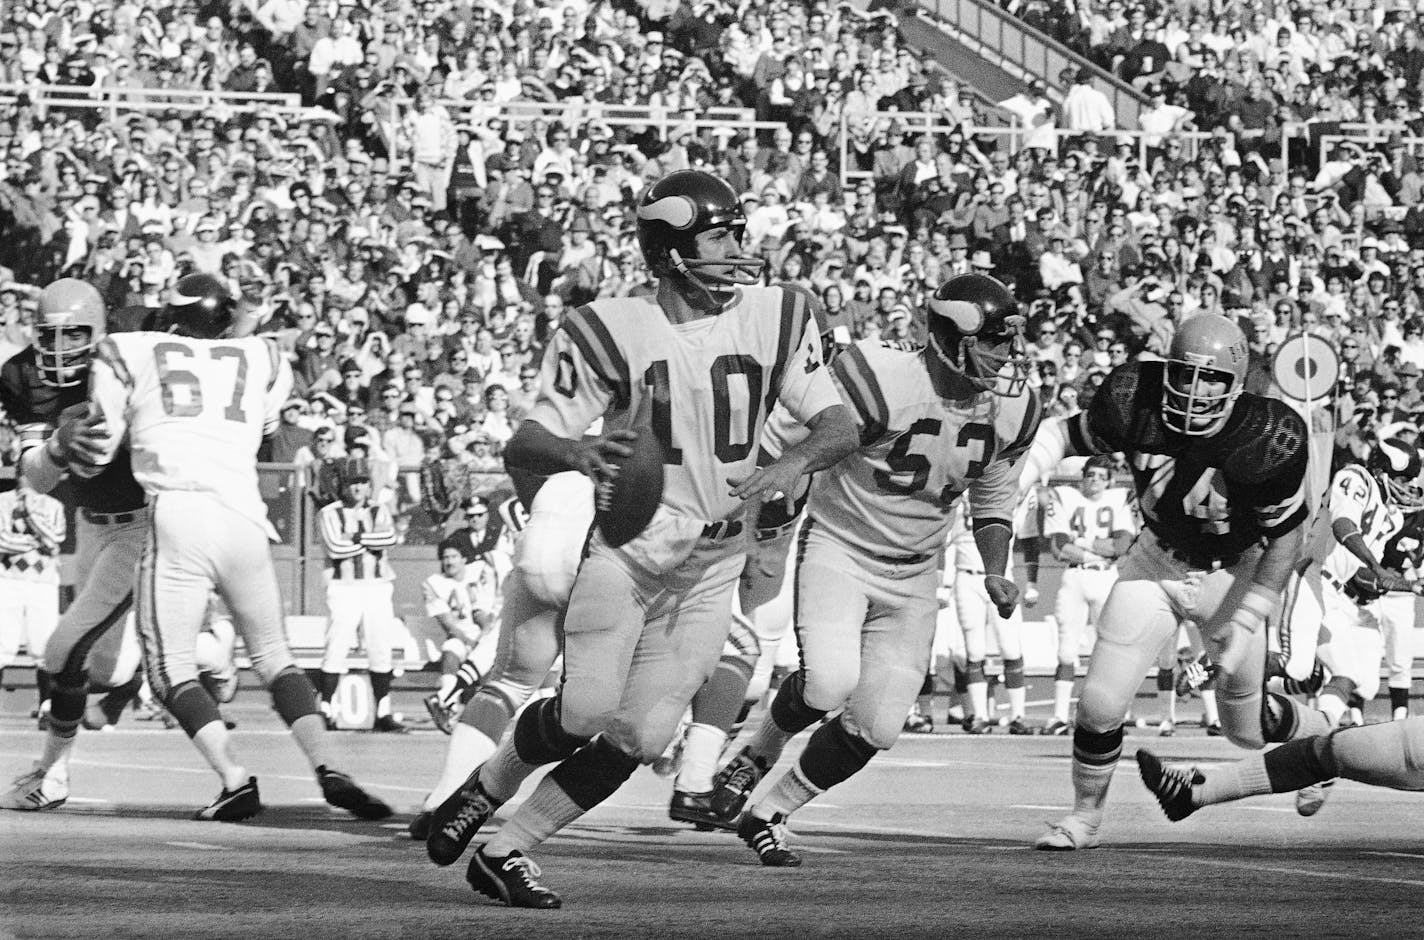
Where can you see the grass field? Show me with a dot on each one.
(929, 841)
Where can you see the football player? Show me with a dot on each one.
(31, 530)
(460, 599)
(44, 389)
(706, 358)
(1395, 610)
(1088, 527)
(934, 423)
(548, 544)
(193, 404)
(1219, 474)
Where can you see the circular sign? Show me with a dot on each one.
(1306, 367)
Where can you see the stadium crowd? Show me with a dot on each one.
(413, 236)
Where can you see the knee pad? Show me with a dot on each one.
(292, 695)
(593, 773)
(539, 735)
(1279, 717)
(1165, 680)
(974, 672)
(834, 755)
(1066, 672)
(1097, 748)
(789, 709)
(194, 708)
(1013, 673)
(961, 680)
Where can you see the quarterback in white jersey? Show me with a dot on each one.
(933, 424)
(705, 360)
(193, 405)
(1089, 527)
(1363, 510)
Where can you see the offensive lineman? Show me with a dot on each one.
(1220, 484)
(709, 357)
(37, 387)
(194, 404)
(1088, 527)
(933, 423)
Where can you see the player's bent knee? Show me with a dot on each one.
(594, 773)
(292, 695)
(828, 689)
(192, 706)
(539, 735)
(789, 709)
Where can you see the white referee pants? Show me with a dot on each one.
(366, 606)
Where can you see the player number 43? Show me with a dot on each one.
(182, 391)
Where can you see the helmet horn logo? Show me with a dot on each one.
(677, 211)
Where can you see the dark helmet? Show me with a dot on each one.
(1397, 466)
(678, 208)
(353, 470)
(977, 331)
(1207, 347)
(66, 305)
(200, 306)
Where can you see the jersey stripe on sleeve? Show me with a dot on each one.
(108, 352)
(590, 334)
(792, 326)
(853, 372)
(1033, 413)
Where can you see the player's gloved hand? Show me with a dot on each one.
(1248, 620)
(1030, 596)
(79, 438)
(1003, 593)
(591, 455)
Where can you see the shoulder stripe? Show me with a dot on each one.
(856, 376)
(274, 357)
(590, 334)
(793, 324)
(1032, 415)
(108, 352)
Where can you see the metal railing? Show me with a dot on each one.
(1021, 50)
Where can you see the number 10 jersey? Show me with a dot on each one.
(706, 386)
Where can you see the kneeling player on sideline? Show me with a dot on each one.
(194, 404)
(933, 423)
(1394, 609)
(1220, 477)
(460, 599)
(1389, 754)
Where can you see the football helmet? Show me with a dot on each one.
(977, 331)
(200, 306)
(1208, 349)
(1397, 466)
(678, 208)
(65, 307)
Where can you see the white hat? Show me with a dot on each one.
(417, 313)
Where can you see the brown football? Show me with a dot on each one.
(627, 504)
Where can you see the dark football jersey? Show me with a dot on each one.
(28, 400)
(1206, 498)
(1405, 550)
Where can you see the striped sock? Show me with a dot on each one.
(547, 810)
(1245, 777)
(790, 793)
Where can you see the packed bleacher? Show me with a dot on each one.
(410, 194)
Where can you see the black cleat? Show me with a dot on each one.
(443, 717)
(344, 793)
(1171, 785)
(976, 725)
(233, 805)
(767, 837)
(696, 808)
(1019, 726)
(511, 879)
(455, 821)
(1058, 728)
(390, 724)
(734, 784)
(419, 828)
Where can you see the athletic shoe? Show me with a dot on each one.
(511, 879)
(390, 724)
(34, 791)
(1069, 834)
(1214, 730)
(454, 822)
(440, 713)
(734, 783)
(1311, 800)
(1166, 729)
(955, 716)
(419, 828)
(1058, 728)
(976, 725)
(919, 724)
(696, 808)
(768, 838)
(233, 805)
(1019, 726)
(344, 793)
(1172, 786)
(1400, 713)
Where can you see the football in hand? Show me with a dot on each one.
(627, 503)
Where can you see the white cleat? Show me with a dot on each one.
(34, 791)
(1311, 799)
(1069, 834)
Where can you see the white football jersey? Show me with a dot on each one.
(476, 591)
(706, 386)
(1355, 495)
(918, 453)
(194, 411)
(1073, 514)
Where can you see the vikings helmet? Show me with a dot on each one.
(977, 331)
(1208, 348)
(1397, 466)
(678, 208)
(200, 306)
(64, 306)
